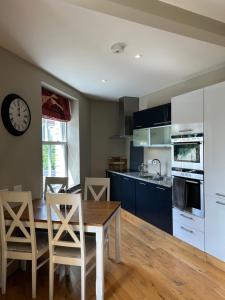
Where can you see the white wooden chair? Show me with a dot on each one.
(24, 246)
(17, 188)
(52, 182)
(72, 249)
(104, 183)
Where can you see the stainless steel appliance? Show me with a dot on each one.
(187, 151)
(193, 189)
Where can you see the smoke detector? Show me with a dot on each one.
(118, 48)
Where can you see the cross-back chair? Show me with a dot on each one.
(91, 182)
(20, 242)
(51, 182)
(66, 246)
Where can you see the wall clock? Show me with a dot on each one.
(16, 114)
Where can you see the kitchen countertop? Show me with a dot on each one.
(167, 181)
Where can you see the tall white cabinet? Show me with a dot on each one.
(214, 137)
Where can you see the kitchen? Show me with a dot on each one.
(145, 83)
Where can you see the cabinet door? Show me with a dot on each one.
(142, 119)
(161, 215)
(214, 109)
(161, 115)
(144, 193)
(188, 108)
(128, 194)
(114, 186)
(214, 226)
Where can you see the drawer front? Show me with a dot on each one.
(189, 235)
(189, 220)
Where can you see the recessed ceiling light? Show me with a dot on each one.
(138, 55)
(104, 80)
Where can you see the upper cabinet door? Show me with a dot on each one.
(214, 110)
(152, 117)
(187, 111)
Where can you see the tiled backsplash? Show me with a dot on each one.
(163, 154)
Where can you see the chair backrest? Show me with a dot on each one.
(12, 207)
(17, 188)
(90, 182)
(72, 205)
(52, 182)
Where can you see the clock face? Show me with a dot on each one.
(15, 114)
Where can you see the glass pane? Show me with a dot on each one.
(160, 135)
(53, 131)
(53, 159)
(187, 152)
(141, 137)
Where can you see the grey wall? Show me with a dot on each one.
(20, 157)
(104, 123)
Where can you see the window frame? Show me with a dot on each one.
(65, 144)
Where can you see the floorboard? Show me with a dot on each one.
(155, 266)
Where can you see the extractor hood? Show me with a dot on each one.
(127, 106)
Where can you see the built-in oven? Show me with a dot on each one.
(188, 191)
(187, 151)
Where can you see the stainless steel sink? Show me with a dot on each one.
(151, 177)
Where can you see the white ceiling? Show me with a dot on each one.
(214, 9)
(74, 45)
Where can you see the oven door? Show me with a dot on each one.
(187, 155)
(194, 196)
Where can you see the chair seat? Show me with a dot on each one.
(70, 252)
(41, 240)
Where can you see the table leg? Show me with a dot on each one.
(100, 263)
(117, 237)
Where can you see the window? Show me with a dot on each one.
(54, 148)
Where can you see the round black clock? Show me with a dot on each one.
(16, 114)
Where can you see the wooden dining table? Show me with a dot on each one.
(97, 217)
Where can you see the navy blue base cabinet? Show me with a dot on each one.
(148, 201)
(154, 205)
(127, 193)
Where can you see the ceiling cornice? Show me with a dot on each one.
(161, 15)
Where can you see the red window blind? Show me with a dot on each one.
(55, 107)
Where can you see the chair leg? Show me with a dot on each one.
(34, 278)
(4, 274)
(83, 282)
(51, 280)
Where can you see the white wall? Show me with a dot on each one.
(20, 157)
(104, 123)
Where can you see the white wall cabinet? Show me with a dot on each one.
(215, 226)
(188, 108)
(214, 137)
(187, 112)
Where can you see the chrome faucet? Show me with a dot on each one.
(159, 162)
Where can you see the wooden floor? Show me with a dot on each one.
(154, 266)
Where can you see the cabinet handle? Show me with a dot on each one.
(142, 183)
(190, 181)
(125, 178)
(138, 126)
(220, 202)
(220, 195)
(159, 123)
(185, 229)
(185, 130)
(160, 188)
(190, 218)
